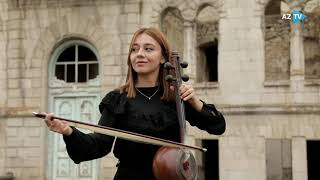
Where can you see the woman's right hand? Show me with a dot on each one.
(57, 125)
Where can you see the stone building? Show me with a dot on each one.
(261, 71)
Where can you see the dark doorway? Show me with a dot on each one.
(313, 158)
(211, 159)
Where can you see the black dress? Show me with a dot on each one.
(150, 117)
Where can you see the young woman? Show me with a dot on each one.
(144, 104)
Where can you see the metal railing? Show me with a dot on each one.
(7, 176)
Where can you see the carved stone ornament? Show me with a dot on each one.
(56, 83)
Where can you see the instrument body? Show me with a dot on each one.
(171, 163)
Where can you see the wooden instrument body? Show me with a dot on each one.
(172, 163)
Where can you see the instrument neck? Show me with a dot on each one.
(180, 104)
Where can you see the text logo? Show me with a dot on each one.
(295, 15)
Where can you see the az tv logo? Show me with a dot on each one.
(295, 15)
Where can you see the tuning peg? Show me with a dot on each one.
(184, 64)
(170, 78)
(185, 78)
(168, 65)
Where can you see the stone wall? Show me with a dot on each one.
(25, 148)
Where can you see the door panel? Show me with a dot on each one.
(77, 108)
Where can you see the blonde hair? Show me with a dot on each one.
(132, 75)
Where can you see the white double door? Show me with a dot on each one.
(83, 109)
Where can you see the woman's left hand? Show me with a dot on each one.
(188, 94)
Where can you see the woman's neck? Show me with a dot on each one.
(146, 81)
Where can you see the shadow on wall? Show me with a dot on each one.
(7, 176)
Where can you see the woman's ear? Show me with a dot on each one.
(162, 61)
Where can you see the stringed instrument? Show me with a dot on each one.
(174, 163)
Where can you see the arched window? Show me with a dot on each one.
(207, 35)
(277, 43)
(272, 8)
(172, 26)
(76, 62)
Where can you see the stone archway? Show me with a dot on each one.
(187, 8)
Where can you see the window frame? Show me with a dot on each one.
(61, 48)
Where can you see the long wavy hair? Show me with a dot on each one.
(129, 86)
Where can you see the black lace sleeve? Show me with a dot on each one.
(84, 147)
(209, 119)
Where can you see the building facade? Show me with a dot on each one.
(261, 71)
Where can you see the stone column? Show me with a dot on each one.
(3, 60)
(299, 159)
(297, 60)
(296, 52)
(3, 84)
(189, 50)
(2, 146)
(296, 44)
(15, 57)
(130, 22)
